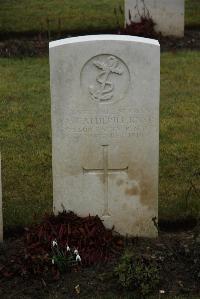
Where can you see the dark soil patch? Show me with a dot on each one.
(176, 254)
(24, 48)
(190, 41)
(178, 225)
(37, 45)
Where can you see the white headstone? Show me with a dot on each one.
(1, 212)
(105, 129)
(167, 14)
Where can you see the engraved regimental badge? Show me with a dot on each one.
(105, 78)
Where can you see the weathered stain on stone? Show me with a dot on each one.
(132, 191)
(148, 193)
(145, 185)
(119, 182)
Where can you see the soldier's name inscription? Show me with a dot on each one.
(111, 125)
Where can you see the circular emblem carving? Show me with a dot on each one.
(105, 78)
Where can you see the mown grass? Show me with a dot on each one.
(26, 136)
(25, 139)
(179, 134)
(192, 13)
(79, 15)
(71, 16)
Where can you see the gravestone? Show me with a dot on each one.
(105, 129)
(1, 212)
(168, 15)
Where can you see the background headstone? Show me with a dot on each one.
(1, 212)
(167, 14)
(105, 129)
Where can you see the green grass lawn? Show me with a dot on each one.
(179, 133)
(79, 15)
(25, 136)
(25, 139)
(192, 13)
(75, 16)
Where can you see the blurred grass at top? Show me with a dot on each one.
(71, 16)
(77, 15)
(25, 137)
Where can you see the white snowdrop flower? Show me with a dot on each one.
(53, 261)
(54, 243)
(68, 249)
(76, 251)
(162, 292)
(77, 289)
(78, 258)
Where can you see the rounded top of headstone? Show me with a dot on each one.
(103, 37)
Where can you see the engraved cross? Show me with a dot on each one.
(105, 171)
